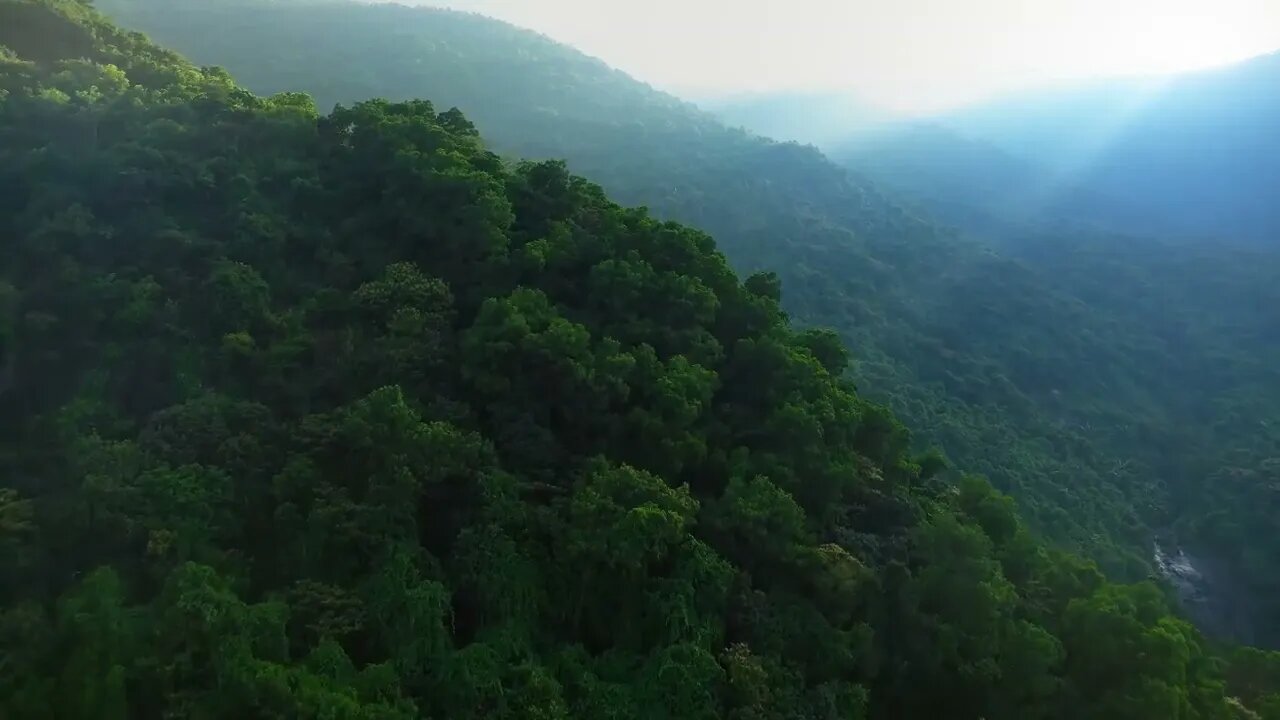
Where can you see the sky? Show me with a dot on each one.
(910, 56)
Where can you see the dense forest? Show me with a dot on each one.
(883, 278)
(1112, 402)
(343, 416)
(1201, 305)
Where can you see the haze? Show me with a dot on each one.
(905, 55)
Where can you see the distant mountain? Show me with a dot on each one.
(1201, 150)
(975, 185)
(813, 118)
(1195, 155)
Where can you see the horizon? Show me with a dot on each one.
(912, 57)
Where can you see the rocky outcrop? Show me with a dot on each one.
(1207, 591)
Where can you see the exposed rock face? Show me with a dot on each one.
(1209, 594)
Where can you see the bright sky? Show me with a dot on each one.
(905, 55)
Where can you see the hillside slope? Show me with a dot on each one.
(339, 416)
(1192, 384)
(906, 296)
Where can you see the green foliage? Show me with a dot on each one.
(985, 356)
(335, 417)
(1117, 388)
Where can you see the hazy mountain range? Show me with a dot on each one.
(1192, 155)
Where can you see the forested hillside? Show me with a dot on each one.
(890, 283)
(340, 416)
(1104, 420)
(1198, 346)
